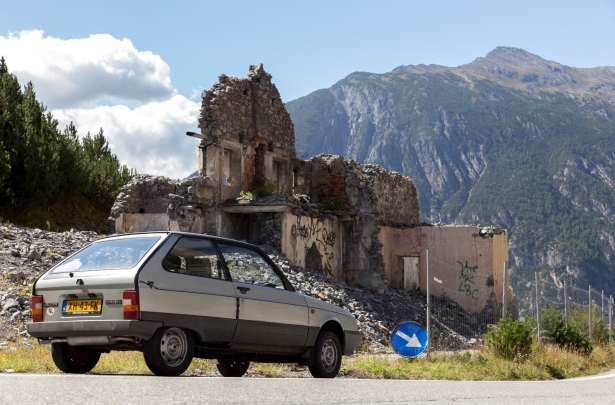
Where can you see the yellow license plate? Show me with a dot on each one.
(80, 307)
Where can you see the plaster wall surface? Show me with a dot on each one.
(464, 265)
(127, 223)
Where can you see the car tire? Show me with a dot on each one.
(169, 352)
(74, 359)
(229, 367)
(326, 356)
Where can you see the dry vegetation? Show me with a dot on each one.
(546, 362)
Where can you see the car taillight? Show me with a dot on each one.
(130, 304)
(36, 306)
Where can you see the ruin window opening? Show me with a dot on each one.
(231, 168)
(276, 172)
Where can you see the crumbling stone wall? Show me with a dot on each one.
(241, 109)
(149, 203)
(343, 184)
(246, 117)
(360, 198)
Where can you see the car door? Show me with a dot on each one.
(268, 313)
(185, 285)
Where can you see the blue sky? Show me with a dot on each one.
(137, 69)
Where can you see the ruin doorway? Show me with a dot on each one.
(410, 270)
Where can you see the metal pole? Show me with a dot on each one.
(566, 302)
(428, 307)
(537, 306)
(602, 307)
(611, 319)
(590, 313)
(504, 292)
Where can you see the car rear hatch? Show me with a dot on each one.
(95, 284)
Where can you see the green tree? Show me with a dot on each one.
(41, 167)
(104, 171)
(579, 318)
(11, 128)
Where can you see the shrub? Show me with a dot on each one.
(511, 339)
(266, 190)
(571, 338)
(566, 337)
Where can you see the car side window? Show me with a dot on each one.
(249, 266)
(194, 257)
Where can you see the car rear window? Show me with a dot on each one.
(108, 255)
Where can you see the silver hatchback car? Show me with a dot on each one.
(175, 296)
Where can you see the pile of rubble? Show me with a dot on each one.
(26, 253)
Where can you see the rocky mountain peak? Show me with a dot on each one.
(522, 70)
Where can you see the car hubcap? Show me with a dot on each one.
(173, 346)
(328, 355)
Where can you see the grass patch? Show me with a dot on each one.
(35, 358)
(545, 363)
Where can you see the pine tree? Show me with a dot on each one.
(41, 166)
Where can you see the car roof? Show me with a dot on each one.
(181, 233)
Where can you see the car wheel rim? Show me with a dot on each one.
(235, 364)
(328, 355)
(173, 346)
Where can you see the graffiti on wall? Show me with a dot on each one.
(466, 280)
(318, 242)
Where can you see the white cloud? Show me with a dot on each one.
(83, 71)
(103, 82)
(151, 138)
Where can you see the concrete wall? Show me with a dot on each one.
(315, 243)
(465, 262)
(127, 223)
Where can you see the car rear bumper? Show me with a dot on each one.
(92, 328)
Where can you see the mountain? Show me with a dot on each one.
(509, 140)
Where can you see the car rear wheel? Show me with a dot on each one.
(74, 359)
(232, 367)
(327, 356)
(169, 352)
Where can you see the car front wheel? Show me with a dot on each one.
(74, 359)
(326, 356)
(169, 352)
(232, 367)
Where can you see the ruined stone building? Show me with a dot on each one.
(353, 223)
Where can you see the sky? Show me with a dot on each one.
(137, 69)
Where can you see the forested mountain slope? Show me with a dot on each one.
(509, 140)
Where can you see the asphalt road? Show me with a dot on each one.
(132, 389)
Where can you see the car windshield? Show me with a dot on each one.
(108, 255)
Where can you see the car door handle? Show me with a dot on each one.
(243, 290)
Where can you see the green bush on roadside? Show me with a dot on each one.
(511, 339)
(567, 337)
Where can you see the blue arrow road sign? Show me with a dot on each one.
(409, 339)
